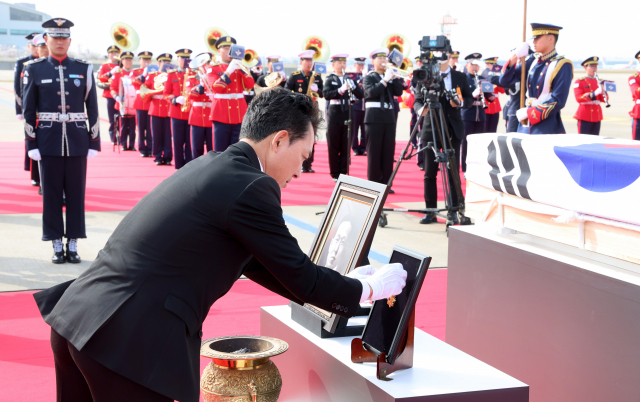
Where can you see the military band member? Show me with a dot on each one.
(336, 89)
(299, 82)
(159, 112)
(142, 108)
(201, 125)
(548, 78)
(588, 95)
(634, 85)
(453, 60)
(256, 72)
(104, 77)
(359, 136)
(380, 86)
(228, 81)
(474, 116)
(57, 89)
(127, 122)
(174, 92)
(270, 60)
(494, 107)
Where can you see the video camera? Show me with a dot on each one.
(429, 72)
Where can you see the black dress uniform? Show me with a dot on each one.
(56, 93)
(29, 164)
(358, 134)
(380, 125)
(337, 130)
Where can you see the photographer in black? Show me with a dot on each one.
(457, 96)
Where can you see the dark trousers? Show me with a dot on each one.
(357, 129)
(60, 174)
(635, 129)
(431, 168)
(470, 127)
(337, 141)
(491, 123)
(181, 142)
(587, 127)
(79, 378)
(127, 131)
(416, 140)
(224, 135)
(144, 132)
(35, 170)
(199, 137)
(381, 148)
(307, 162)
(512, 124)
(161, 132)
(111, 112)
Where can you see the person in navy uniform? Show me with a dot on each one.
(473, 116)
(548, 82)
(57, 89)
(358, 135)
(338, 88)
(261, 79)
(29, 164)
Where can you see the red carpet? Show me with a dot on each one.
(117, 181)
(26, 361)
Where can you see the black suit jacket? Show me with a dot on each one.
(139, 308)
(451, 114)
(376, 91)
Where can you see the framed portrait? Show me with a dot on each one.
(346, 230)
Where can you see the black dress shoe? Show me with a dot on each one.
(58, 252)
(35, 183)
(429, 218)
(132, 149)
(453, 218)
(421, 167)
(308, 170)
(167, 163)
(39, 190)
(391, 191)
(72, 255)
(143, 155)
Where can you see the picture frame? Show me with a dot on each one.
(345, 232)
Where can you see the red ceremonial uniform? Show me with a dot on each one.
(174, 86)
(104, 78)
(634, 84)
(229, 105)
(137, 75)
(159, 105)
(200, 106)
(494, 106)
(589, 108)
(115, 85)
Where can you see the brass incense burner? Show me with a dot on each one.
(241, 369)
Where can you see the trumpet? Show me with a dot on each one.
(251, 58)
(604, 93)
(198, 63)
(400, 73)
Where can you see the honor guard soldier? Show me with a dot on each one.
(548, 82)
(159, 112)
(57, 89)
(589, 94)
(338, 91)
(270, 60)
(41, 45)
(176, 93)
(228, 81)
(299, 82)
(359, 136)
(126, 121)
(201, 125)
(474, 116)
(18, 72)
(494, 108)
(453, 60)
(104, 80)
(380, 86)
(142, 108)
(634, 84)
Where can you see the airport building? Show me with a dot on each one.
(18, 20)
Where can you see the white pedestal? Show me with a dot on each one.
(315, 369)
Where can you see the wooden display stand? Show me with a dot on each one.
(360, 353)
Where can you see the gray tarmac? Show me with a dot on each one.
(25, 259)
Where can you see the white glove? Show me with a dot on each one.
(34, 154)
(522, 50)
(388, 75)
(343, 88)
(521, 114)
(362, 273)
(117, 98)
(314, 87)
(19, 116)
(92, 153)
(115, 70)
(476, 93)
(283, 75)
(386, 282)
(180, 99)
(597, 91)
(233, 66)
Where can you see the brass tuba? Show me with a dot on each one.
(272, 80)
(407, 65)
(399, 42)
(321, 46)
(158, 87)
(250, 58)
(211, 35)
(124, 36)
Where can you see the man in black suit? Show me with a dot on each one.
(130, 327)
(457, 82)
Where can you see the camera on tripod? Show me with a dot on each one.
(433, 49)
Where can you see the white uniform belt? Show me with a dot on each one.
(335, 102)
(476, 103)
(248, 93)
(137, 92)
(229, 96)
(60, 117)
(201, 104)
(595, 102)
(383, 105)
(638, 102)
(157, 97)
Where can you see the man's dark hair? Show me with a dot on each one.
(279, 109)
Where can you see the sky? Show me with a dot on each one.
(355, 27)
